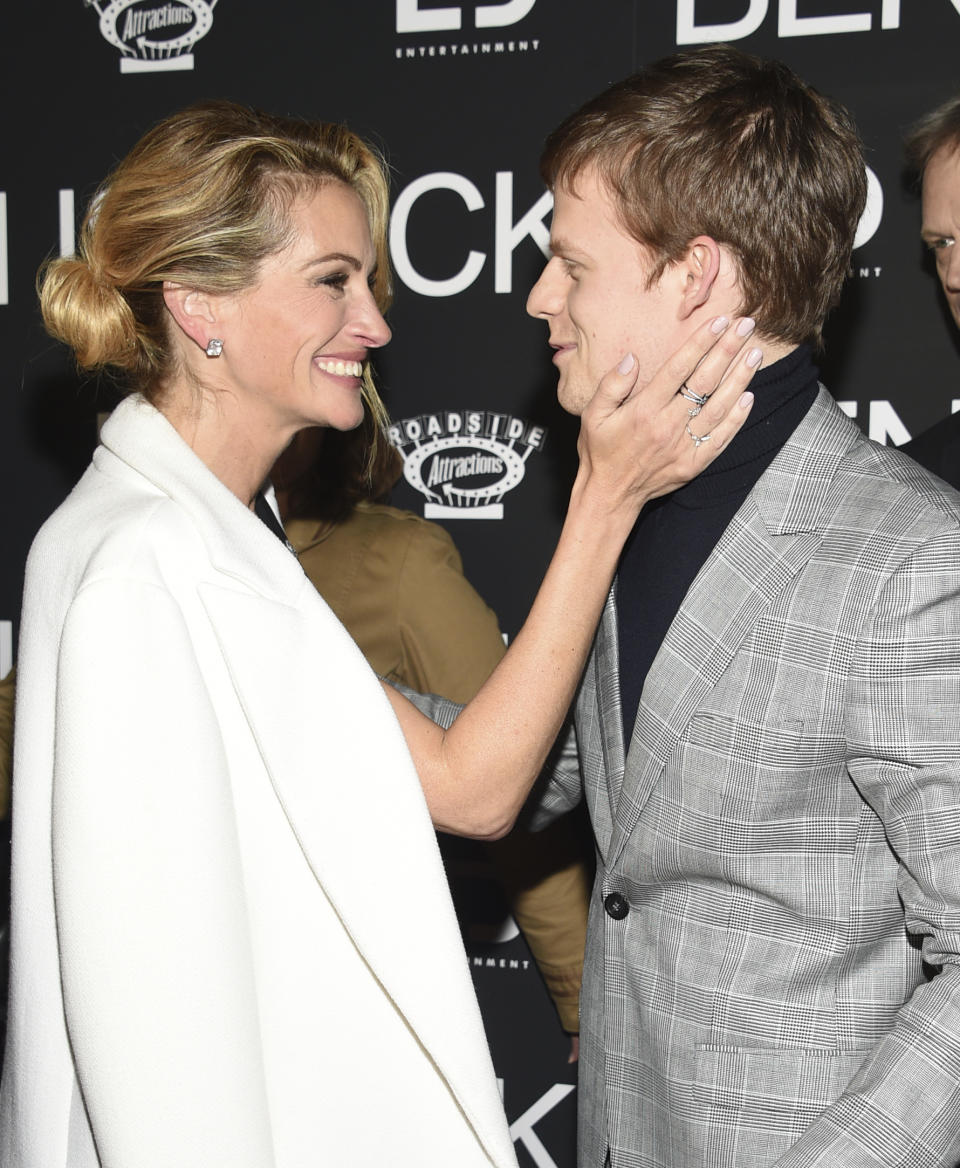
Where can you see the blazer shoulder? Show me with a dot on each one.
(938, 449)
(889, 485)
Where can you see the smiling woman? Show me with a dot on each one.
(294, 343)
(223, 822)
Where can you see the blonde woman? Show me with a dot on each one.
(224, 855)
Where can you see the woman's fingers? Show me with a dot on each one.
(615, 388)
(735, 356)
(643, 440)
(701, 361)
(718, 412)
(709, 433)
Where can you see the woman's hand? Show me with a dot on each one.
(640, 441)
(634, 444)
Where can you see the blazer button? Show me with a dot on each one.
(616, 906)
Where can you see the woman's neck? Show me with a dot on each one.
(236, 446)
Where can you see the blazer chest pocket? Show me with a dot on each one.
(786, 764)
(776, 822)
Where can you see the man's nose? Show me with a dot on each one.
(951, 271)
(548, 296)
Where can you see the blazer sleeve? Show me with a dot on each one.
(560, 786)
(155, 957)
(903, 704)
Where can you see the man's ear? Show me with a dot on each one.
(699, 269)
(195, 312)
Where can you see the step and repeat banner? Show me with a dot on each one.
(459, 96)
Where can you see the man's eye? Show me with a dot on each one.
(940, 244)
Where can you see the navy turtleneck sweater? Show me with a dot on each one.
(675, 534)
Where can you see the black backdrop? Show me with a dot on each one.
(460, 97)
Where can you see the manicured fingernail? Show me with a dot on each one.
(754, 357)
(746, 326)
(719, 324)
(746, 400)
(626, 364)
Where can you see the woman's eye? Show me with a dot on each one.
(338, 280)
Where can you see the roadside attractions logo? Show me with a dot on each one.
(464, 461)
(151, 37)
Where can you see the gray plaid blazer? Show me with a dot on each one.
(777, 977)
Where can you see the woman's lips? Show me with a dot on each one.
(338, 367)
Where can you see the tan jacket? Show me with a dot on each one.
(6, 741)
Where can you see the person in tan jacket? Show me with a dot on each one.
(396, 581)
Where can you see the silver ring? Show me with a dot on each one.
(698, 399)
(693, 412)
(698, 439)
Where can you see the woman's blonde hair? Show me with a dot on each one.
(201, 200)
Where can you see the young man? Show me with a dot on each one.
(767, 727)
(934, 151)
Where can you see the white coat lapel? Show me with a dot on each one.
(341, 770)
(768, 542)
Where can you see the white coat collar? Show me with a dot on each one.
(237, 542)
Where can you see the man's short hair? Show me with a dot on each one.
(938, 129)
(715, 142)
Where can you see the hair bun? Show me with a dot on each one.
(86, 311)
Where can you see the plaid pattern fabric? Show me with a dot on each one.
(785, 830)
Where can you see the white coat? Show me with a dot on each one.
(232, 940)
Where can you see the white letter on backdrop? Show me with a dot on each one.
(792, 25)
(441, 180)
(411, 19)
(872, 212)
(508, 234)
(497, 15)
(691, 33)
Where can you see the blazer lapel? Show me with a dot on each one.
(767, 543)
(606, 666)
(353, 801)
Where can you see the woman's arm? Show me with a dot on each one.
(633, 447)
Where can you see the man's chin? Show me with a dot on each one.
(571, 399)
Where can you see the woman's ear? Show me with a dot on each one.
(195, 312)
(700, 268)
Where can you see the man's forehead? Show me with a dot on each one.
(585, 212)
(943, 167)
(941, 185)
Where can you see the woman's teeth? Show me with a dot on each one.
(341, 368)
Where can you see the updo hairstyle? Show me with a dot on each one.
(201, 200)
